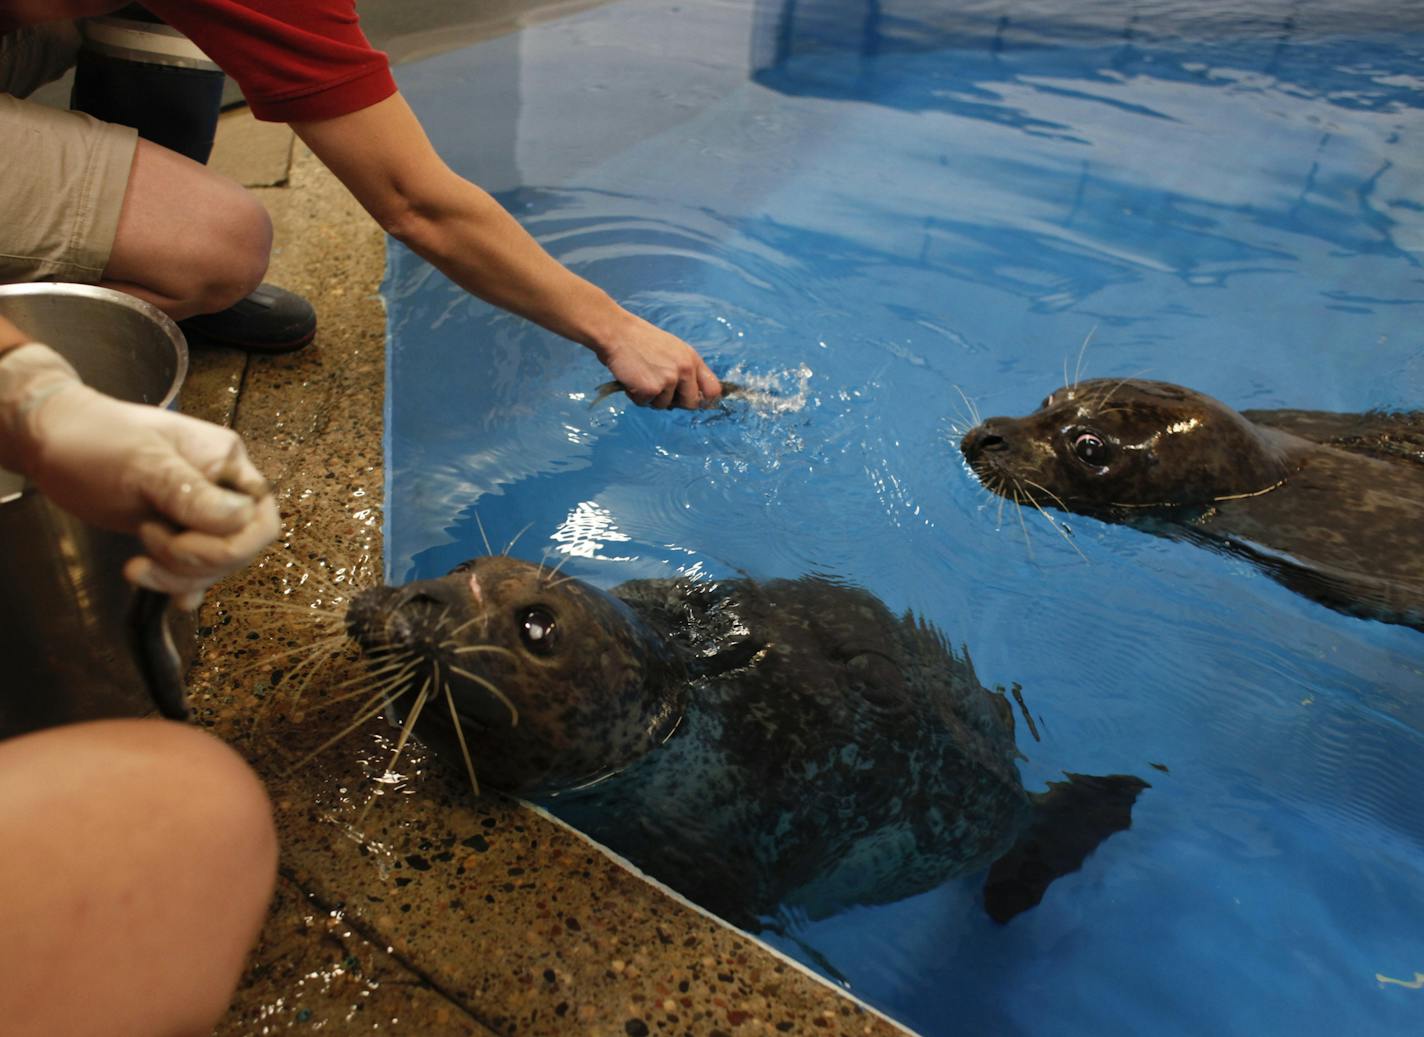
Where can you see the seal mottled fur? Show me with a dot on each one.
(1332, 505)
(757, 746)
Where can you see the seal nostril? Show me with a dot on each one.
(982, 440)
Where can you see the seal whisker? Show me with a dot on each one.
(384, 693)
(472, 649)
(1018, 503)
(464, 626)
(289, 606)
(481, 526)
(510, 546)
(324, 647)
(363, 716)
(316, 573)
(1056, 499)
(1105, 397)
(960, 421)
(1003, 498)
(389, 667)
(460, 737)
(1059, 530)
(276, 604)
(556, 569)
(392, 670)
(283, 653)
(381, 654)
(1000, 490)
(318, 552)
(513, 713)
(409, 724)
(314, 665)
(319, 655)
(389, 683)
(404, 737)
(973, 409)
(1078, 367)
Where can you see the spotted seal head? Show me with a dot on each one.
(1331, 505)
(1108, 444)
(759, 746)
(500, 642)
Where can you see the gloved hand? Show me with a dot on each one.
(185, 486)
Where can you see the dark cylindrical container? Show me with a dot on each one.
(135, 70)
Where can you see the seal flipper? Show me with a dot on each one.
(1069, 821)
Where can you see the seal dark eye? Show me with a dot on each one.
(538, 630)
(1047, 402)
(1089, 449)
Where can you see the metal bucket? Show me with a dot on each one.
(66, 612)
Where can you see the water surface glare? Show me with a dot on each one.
(883, 217)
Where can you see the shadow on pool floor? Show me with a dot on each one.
(433, 911)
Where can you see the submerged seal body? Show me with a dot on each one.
(1332, 505)
(756, 746)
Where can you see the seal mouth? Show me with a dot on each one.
(478, 703)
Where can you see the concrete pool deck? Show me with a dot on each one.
(430, 911)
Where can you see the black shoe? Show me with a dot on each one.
(270, 320)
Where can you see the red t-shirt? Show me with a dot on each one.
(295, 60)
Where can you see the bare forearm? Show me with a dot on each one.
(471, 239)
(383, 157)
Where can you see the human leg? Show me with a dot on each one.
(188, 240)
(139, 862)
(137, 71)
(86, 201)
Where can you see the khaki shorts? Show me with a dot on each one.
(62, 174)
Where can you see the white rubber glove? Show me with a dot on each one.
(185, 486)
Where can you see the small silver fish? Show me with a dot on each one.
(607, 389)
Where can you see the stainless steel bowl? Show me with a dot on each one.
(66, 647)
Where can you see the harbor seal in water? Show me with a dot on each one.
(1332, 505)
(756, 746)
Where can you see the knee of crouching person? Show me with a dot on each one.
(241, 248)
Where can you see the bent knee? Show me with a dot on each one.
(241, 240)
(109, 773)
(155, 842)
(208, 789)
(190, 239)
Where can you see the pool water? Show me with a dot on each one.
(884, 216)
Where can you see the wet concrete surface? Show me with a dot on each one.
(407, 904)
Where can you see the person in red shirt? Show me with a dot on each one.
(306, 62)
